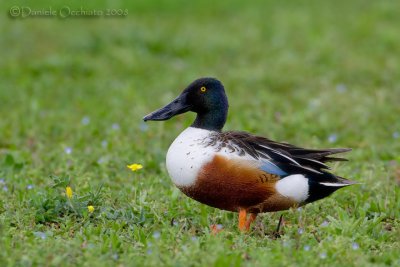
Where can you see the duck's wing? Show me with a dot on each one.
(278, 156)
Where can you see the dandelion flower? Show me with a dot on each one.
(68, 192)
(90, 208)
(135, 167)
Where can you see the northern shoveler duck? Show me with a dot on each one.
(238, 171)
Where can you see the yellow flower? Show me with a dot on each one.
(68, 192)
(135, 167)
(90, 208)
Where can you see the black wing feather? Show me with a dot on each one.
(289, 157)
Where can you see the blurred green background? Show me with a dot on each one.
(73, 92)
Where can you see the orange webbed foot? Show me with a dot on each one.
(244, 222)
(249, 221)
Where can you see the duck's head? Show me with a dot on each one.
(204, 96)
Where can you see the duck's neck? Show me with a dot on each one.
(212, 120)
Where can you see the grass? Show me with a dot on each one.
(73, 92)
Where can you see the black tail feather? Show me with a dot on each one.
(322, 187)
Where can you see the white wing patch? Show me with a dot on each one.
(293, 186)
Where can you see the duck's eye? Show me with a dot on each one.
(203, 89)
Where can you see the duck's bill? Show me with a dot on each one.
(178, 106)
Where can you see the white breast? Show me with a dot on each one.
(189, 152)
(186, 156)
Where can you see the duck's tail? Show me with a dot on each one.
(338, 182)
(321, 188)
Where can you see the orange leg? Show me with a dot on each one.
(242, 219)
(251, 219)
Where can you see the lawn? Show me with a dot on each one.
(73, 92)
